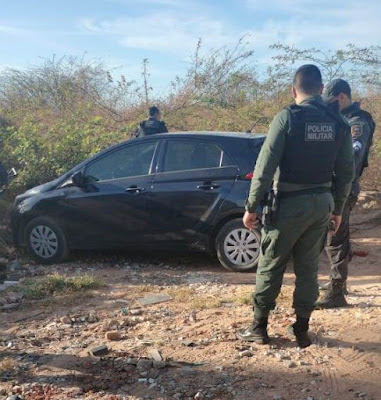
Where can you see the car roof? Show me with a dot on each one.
(243, 135)
(192, 134)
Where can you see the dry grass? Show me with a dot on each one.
(52, 285)
(285, 297)
(143, 290)
(193, 300)
(6, 365)
(204, 303)
(245, 298)
(196, 301)
(181, 293)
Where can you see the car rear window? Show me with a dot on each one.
(182, 155)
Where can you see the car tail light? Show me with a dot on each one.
(249, 175)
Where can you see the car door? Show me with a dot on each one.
(110, 210)
(192, 180)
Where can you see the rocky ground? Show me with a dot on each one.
(106, 343)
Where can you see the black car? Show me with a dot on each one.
(165, 190)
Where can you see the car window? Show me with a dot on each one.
(129, 161)
(184, 155)
(226, 161)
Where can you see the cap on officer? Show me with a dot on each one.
(334, 88)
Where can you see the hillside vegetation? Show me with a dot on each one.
(56, 114)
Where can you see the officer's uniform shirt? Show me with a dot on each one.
(151, 127)
(271, 155)
(361, 136)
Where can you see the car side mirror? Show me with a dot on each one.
(78, 179)
(12, 173)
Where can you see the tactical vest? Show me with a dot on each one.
(313, 139)
(150, 127)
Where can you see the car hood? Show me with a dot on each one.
(40, 189)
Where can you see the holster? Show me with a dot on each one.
(270, 207)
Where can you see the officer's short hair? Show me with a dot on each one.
(307, 79)
(152, 111)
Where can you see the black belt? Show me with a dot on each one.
(318, 190)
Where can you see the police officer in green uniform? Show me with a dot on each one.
(152, 125)
(3, 177)
(306, 146)
(338, 246)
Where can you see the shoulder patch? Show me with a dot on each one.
(356, 129)
(320, 132)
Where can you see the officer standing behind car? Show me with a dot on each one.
(152, 125)
(307, 143)
(338, 246)
(3, 177)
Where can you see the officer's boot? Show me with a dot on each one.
(257, 332)
(327, 286)
(299, 331)
(334, 296)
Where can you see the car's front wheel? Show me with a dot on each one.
(237, 247)
(45, 241)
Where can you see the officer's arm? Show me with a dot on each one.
(361, 135)
(137, 131)
(164, 128)
(268, 161)
(344, 173)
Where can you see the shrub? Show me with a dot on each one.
(52, 285)
(57, 114)
(41, 153)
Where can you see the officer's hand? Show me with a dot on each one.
(250, 220)
(336, 220)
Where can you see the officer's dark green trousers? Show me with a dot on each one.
(299, 231)
(338, 247)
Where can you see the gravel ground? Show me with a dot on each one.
(104, 344)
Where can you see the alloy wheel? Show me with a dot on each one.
(242, 246)
(44, 241)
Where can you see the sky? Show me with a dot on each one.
(124, 32)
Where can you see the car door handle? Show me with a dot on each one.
(208, 186)
(135, 189)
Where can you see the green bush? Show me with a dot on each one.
(41, 153)
(54, 115)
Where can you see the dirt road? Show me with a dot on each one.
(45, 344)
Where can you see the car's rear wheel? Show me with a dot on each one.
(45, 241)
(237, 247)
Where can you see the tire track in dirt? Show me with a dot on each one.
(353, 370)
(330, 380)
(365, 375)
(350, 364)
(354, 357)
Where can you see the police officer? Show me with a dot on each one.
(3, 177)
(152, 125)
(338, 246)
(306, 145)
